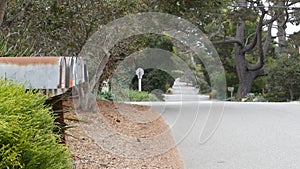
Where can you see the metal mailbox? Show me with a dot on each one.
(53, 75)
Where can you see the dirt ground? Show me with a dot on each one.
(120, 136)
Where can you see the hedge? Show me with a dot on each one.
(26, 131)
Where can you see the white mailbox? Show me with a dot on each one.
(54, 75)
(140, 72)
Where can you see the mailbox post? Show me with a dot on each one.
(230, 89)
(139, 72)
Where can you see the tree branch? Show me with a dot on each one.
(228, 41)
(292, 3)
(251, 45)
(259, 26)
(259, 64)
(268, 39)
(286, 19)
(153, 4)
(217, 33)
(274, 18)
(253, 67)
(261, 72)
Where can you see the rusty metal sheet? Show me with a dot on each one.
(22, 61)
(54, 75)
(37, 73)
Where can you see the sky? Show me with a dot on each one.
(290, 27)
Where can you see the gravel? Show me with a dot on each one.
(120, 136)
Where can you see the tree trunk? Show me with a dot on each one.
(281, 28)
(245, 84)
(86, 101)
(246, 71)
(291, 93)
(245, 76)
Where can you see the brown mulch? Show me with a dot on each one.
(120, 136)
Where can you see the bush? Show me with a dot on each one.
(252, 97)
(218, 83)
(105, 96)
(26, 137)
(284, 79)
(130, 95)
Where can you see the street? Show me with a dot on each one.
(232, 135)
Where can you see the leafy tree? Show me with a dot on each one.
(284, 77)
(287, 14)
(245, 42)
(284, 80)
(62, 28)
(245, 23)
(12, 41)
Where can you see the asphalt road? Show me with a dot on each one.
(232, 135)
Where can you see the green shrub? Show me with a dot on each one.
(204, 88)
(218, 83)
(26, 125)
(253, 97)
(105, 96)
(129, 95)
(283, 79)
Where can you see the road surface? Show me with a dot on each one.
(232, 135)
